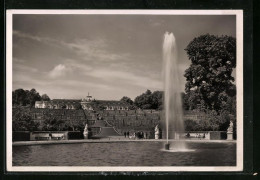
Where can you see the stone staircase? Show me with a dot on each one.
(106, 130)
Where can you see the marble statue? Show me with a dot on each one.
(230, 128)
(230, 131)
(85, 133)
(156, 132)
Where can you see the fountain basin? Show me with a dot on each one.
(137, 153)
(167, 146)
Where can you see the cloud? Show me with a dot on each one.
(94, 50)
(59, 71)
(86, 49)
(77, 66)
(126, 78)
(70, 69)
(23, 68)
(32, 37)
(94, 66)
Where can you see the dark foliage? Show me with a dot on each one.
(149, 100)
(77, 106)
(45, 97)
(51, 123)
(211, 121)
(209, 77)
(22, 120)
(127, 100)
(75, 135)
(23, 97)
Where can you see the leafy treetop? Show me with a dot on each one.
(210, 73)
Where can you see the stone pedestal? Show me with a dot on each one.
(229, 135)
(167, 146)
(85, 133)
(230, 131)
(156, 136)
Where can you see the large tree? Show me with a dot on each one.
(20, 97)
(144, 101)
(149, 100)
(210, 73)
(25, 97)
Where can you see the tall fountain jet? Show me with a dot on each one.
(172, 91)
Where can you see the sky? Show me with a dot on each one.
(109, 56)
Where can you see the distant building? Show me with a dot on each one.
(114, 105)
(58, 104)
(87, 103)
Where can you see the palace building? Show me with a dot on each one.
(87, 103)
(58, 104)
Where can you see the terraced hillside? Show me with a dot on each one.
(122, 120)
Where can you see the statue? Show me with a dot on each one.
(156, 132)
(85, 133)
(230, 131)
(230, 128)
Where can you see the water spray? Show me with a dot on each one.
(172, 91)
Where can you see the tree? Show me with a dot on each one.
(127, 100)
(190, 125)
(210, 73)
(193, 99)
(74, 125)
(45, 97)
(144, 101)
(33, 96)
(23, 97)
(51, 123)
(132, 107)
(228, 103)
(185, 102)
(149, 100)
(22, 120)
(20, 97)
(157, 100)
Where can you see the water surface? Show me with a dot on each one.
(125, 154)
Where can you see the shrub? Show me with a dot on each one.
(190, 125)
(75, 135)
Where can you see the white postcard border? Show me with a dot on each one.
(239, 83)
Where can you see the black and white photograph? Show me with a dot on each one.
(124, 90)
